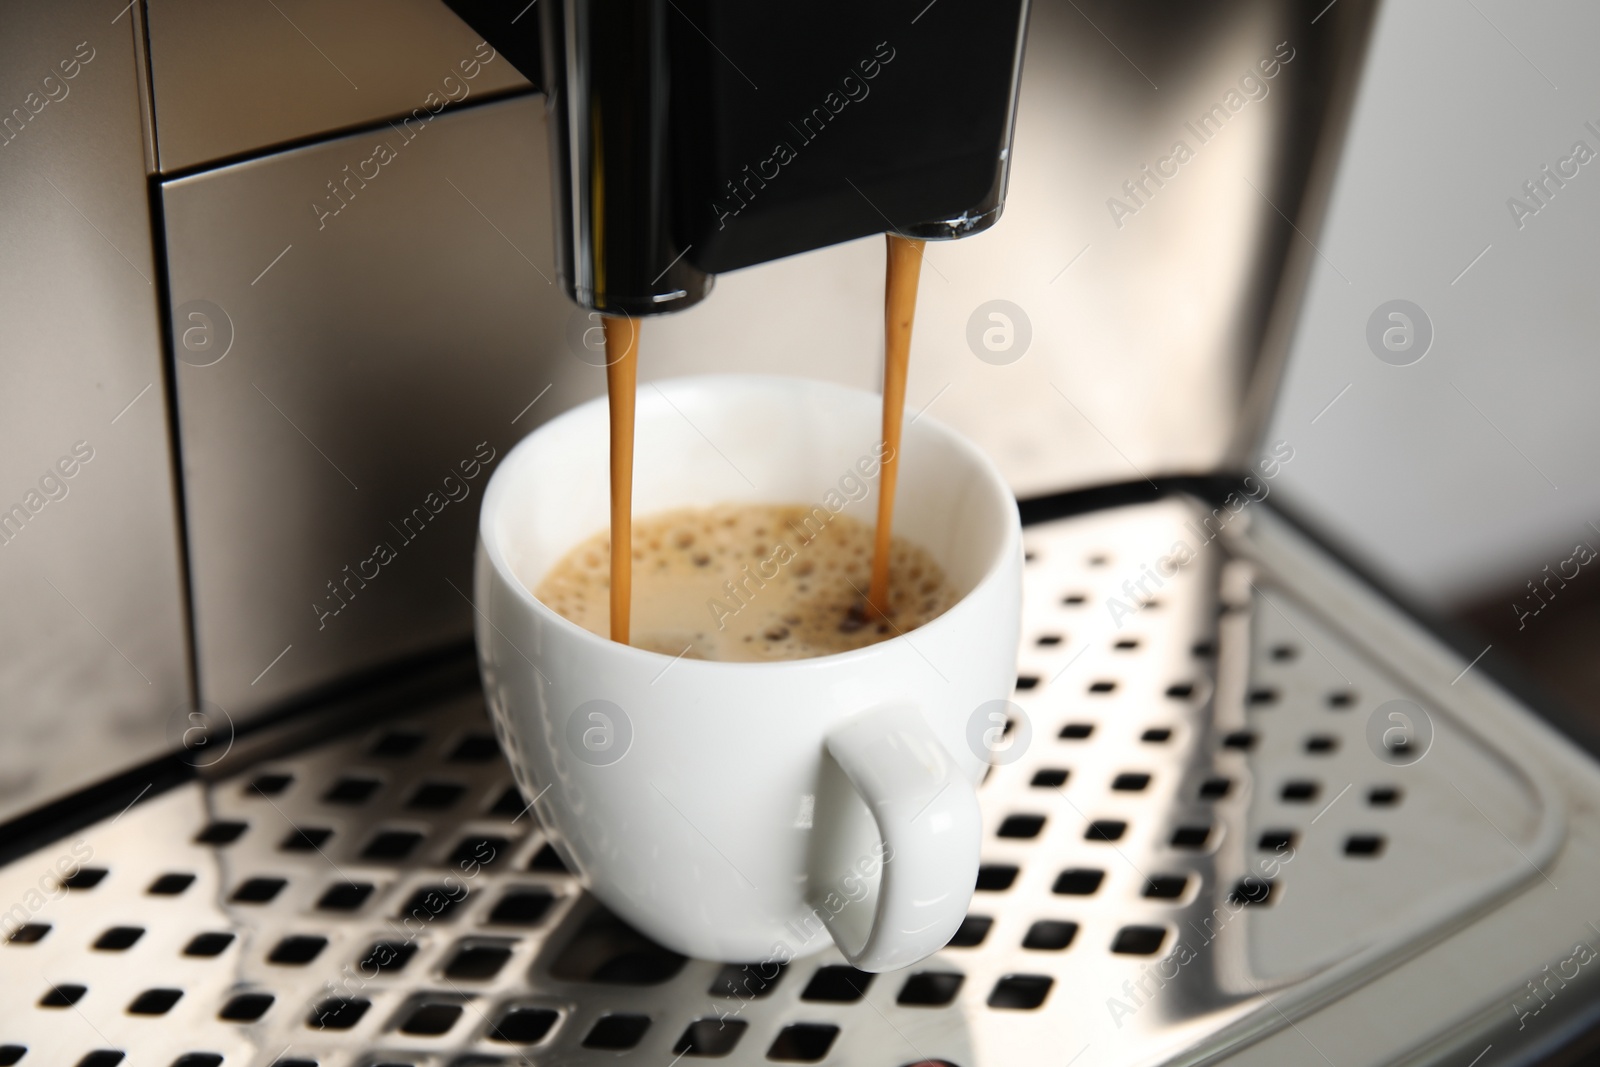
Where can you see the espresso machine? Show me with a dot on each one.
(286, 280)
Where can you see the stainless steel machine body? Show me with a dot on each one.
(288, 380)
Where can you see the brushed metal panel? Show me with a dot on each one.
(384, 344)
(92, 621)
(236, 76)
(371, 353)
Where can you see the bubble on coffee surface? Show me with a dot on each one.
(750, 583)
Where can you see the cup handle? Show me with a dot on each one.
(927, 815)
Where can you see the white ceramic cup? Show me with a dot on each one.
(746, 811)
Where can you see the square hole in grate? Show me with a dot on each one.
(103, 1057)
(1363, 845)
(1252, 890)
(1024, 826)
(523, 1026)
(509, 804)
(305, 839)
(258, 890)
(1105, 830)
(1321, 744)
(345, 896)
(803, 1042)
(434, 902)
(1050, 935)
(971, 932)
(396, 743)
(1300, 791)
(709, 1037)
(207, 945)
(269, 785)
(1181, 690)
(522, 907)
(1156, 735)
(1215, 788)
(1275, 840)
(425, 1018)
(119, 938)
(351, 791)
(1103, 686)
(1342, 699)
(546, 859)
(1283, 653)
(170, 885)
(1165, 886)
(221, 833)
(1243, 740)
(1263, 695)
(392, 845)
(1130, 782)
(338, 1013)
(10, 1054)
(1020, 992)
(1050, 778)
(617, 1031)
(297, 951)
(1078, 882)
(1139, 940)
(475, 748)
(155, 1001)
(246, 1007)
(1027, 681)
(837, 985)
(388, 957)
(484, 850)
(478, 960)
(1076, 731)
(28, 934)
(198, 1059)
(1048, 640)
(608, 950)
(747, 981)
(62, 996)
(930, 989)
(1191, 836)
(996, 877)
(85, 878)
(1383, 796)
(1203, 649)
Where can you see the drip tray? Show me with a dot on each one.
(1217, 824)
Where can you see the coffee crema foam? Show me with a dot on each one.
(750, 583)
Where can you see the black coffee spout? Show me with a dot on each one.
(692, 137)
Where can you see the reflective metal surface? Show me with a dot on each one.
(235, 77)
(421, 319)
(92, 623)
(358, 379)
(1115, 920)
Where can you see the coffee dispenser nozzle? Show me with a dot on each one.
(692, 137)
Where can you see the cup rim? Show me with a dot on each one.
(494, 551)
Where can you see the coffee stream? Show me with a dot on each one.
(899, 308)
(622, 380)
(622, 350)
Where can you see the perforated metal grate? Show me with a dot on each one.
(1198, 839)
